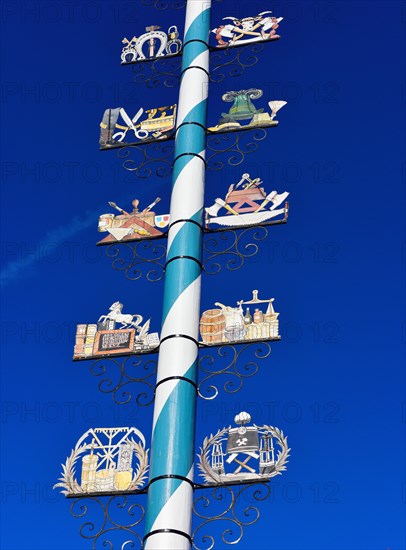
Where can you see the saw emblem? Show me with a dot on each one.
(247, 203)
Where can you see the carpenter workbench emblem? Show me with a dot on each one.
(109, 459)
(247, 203)
(236, 324)
(152, 44)
(244, 109)
(115, 333)
(134, 225)
(245, 31)
(157, 125)
(245, 453)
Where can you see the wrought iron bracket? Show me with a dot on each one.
(155, 155)
(227, 248)
(152, 158)
(224, 63)
(233, 61)
(160, 70)
(233, 363)
(230, 248)
(117, 519)
(116, 375)
(232, 146)
(143, 258)
(111, 530)
(235, 514)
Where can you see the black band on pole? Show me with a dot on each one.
(191, 155)
(174, 531)
(171, 336)
(187, 123)
(186, 221)
(194, 67)
(196, 40)
(164, 380)
(184, 258)
(172, 476)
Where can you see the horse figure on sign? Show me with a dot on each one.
(125, 320)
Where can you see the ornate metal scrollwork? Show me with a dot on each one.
(234, 516)
(159, 153)
(231, 248)
(225, 63)
(160, 71)
(118, 374)
(234, 367)
(143, 258)
(234, 145)
(234, 61)
(228, 248)
(110, 531)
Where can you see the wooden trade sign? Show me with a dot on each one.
(132, 226)
(246, 453)
(152, 44)
(244, 109)
(158, 123)
(110, 460)
(114, 333)
(247, 30)
(228, 324)
(247, 203)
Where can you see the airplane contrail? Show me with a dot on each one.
(17, 269)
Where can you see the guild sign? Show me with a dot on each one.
(111, 460)
(246, 453)
(231, 324)
(244, 109)
(158, 123)
(132, 226)
(107, 337)
(245, 31)
(157, 44)
(247, 203)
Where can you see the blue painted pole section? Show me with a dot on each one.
(170, 494)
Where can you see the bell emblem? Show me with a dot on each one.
(243, 108)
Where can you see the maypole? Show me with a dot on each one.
(170, 494)
(112, 467)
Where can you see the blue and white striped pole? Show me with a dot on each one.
(170, 494)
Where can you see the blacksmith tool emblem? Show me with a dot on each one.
(245, 453)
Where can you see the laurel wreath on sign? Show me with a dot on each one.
(204, 459)
(69, 484)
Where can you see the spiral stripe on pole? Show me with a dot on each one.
(169, 510)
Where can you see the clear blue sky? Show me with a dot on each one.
(336, 383)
